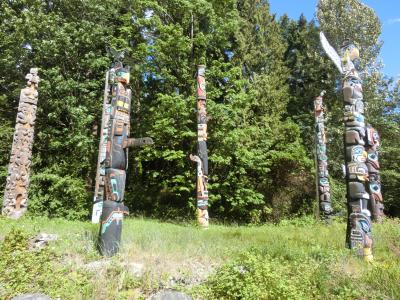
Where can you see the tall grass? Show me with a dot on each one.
(282, 259)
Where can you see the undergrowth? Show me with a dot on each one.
(25, 270)
(256, 275)
(295, 259)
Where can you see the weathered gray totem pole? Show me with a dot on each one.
(113, 162)
(16, 193)
(324, 192)
(361, 142)
(101, 172)
(201, 158)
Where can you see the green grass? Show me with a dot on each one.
(298, 259)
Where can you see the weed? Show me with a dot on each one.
(296, 259)
(23, 270)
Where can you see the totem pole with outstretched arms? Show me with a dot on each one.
(324, 192)
(16, 193)
(358, 139)
(201, 158)
(112, 172)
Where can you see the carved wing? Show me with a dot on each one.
(118, 56)
(331, 52)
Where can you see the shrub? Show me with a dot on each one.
(23, 270)
(256, 276)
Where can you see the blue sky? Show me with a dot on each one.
(388, 11)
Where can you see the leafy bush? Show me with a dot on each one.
(310, 274)
(58, 196)
(255, 276)
(28, 271)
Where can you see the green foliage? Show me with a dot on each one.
(300, 255)
(310, 73)
(338, 194)
(353, 20)
(249, 138)
(262, 76)
(23, 270)
(55, 196)
(67, 43)
(254, 276)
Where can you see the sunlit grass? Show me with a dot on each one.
(183, 256)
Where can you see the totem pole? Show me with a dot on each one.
(16, 192)
(100, 173)
(117, 104)
(374, 188)
(359, 235)
(201, 158)
(323, 192)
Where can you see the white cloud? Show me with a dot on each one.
(394, 21)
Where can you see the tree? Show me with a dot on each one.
(352, 20)
(359, 23)
(310, 73)
(66, 41)
(262, 76)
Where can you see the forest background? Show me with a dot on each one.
(262, 74)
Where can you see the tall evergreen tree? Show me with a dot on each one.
(262, 76)
(310, 73)
(66, 41)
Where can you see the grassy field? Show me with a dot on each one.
(298, 259)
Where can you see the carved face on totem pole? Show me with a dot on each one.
(350, 58)
(123, 75)
(358, 171)
(372, 161)
(355, 135)
(323, 169)
(352, 89)
(375, 189)
(201, 84)
(360, 228)
(372, 137)
(354, 119)
(318, 105)
(356, 154)
(357, 190)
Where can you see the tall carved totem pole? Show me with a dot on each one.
(201, 158)
(372, 144)
(361, 158)
(16, 193)
(111, 175)
(324, 192)
(101, 172)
